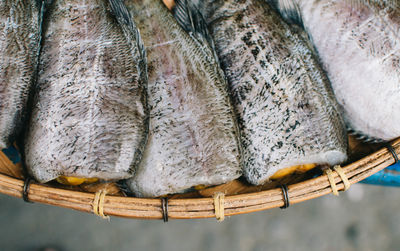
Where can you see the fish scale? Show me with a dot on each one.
(193, 136)
(361, 56)
(90, 116)
(20, 30)
(286, 110)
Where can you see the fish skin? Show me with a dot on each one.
(90, 115)
(287, 112)
(361, 56)
(193, 136)
(20, 33)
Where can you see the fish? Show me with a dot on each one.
(20, 34)
(358, 42)
(287, 112)
(193, 135)
(90, 115)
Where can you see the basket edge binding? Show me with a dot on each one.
(129, 207)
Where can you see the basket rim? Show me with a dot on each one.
(191, 208)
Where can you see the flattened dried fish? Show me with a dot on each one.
(90, 117)
(288, 115)
(20, 29)
(359, 45)
(193, 136)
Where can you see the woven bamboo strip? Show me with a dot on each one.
(200, 207)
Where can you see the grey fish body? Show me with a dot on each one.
(358, 42)
(287, 112)
(193, 136)
(20, 22)
(90, 117)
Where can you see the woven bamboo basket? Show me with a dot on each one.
(238, 197)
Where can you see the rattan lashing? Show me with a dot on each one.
(190, 208)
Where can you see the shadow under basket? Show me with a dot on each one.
(233, 198)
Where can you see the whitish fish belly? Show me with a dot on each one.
(287, 112)
(193, 137)
(19, 45)
(89, 116)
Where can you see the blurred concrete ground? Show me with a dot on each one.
(363, 218)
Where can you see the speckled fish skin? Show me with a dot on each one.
(193, 136)
(90, 117)
(287, 112)
(358, 42)
(20, 22)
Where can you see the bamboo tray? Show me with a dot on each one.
(239, 198)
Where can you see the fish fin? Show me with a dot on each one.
(363, 137)
(192, 21)
(189, 17)
(132, 35)
(124, 188)
(43, 6)
(130, 30)
(289, 10)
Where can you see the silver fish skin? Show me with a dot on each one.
(90, 116)
(20, 33)
(193, 135)
(358, 42)
(286, 109)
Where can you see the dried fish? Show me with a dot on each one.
(287, 112)
(90, 116)
(193, 136)
(358, 42)
(20, 33)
